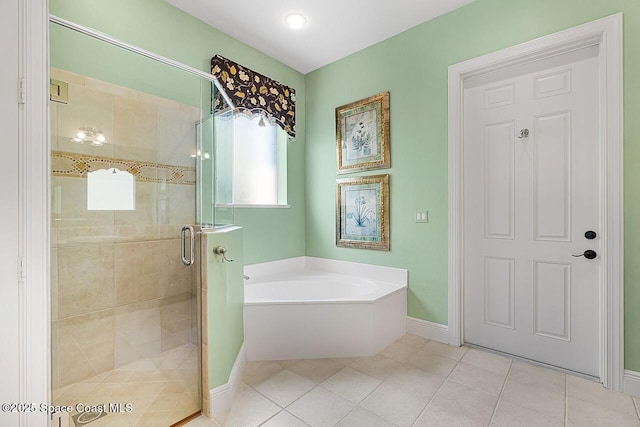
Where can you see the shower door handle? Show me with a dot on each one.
(183, 238)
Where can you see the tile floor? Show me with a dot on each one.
(163, 389)
(416, 382)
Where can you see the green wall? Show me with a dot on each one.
(413, 66)
(163, 29)
(225, 299)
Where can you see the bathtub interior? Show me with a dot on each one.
(312, 287)
(328, 270)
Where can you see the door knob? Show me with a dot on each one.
(588, 254)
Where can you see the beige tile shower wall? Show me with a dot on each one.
(119, 290)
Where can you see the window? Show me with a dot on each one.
(251, 162)
(251, 156)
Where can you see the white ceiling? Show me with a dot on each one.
(334, 29)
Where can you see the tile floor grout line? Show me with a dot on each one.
(292, 402)
(330, 391)
(346, 415)
(439, 388)
(504, 384)
(637, 405)
(377, 354)
(297, 417)
(271, 417)
(359, 405)
(319, 384)
(361, 400)
(284, 408)
(338, 394)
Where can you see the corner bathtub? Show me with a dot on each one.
(305, 308)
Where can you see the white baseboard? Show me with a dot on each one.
(429, 330)
(221, 397)
(632, 382)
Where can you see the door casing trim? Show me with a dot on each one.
(606, 33)
(34, 301)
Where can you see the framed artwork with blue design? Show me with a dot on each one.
(362, 133)
(362, 212)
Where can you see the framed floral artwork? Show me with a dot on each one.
(362, 133)
(362, 212)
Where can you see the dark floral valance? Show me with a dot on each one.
(252, 93)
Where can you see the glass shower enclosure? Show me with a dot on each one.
(132, 143)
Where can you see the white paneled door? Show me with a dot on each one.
(531, 204)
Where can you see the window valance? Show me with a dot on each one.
(253, 93)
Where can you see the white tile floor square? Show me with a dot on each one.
(416, 382)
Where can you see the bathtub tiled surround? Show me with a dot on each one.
(415, 382)
(297, 322)
(119, 291)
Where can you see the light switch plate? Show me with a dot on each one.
(422, 216)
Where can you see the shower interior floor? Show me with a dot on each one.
(162, 389)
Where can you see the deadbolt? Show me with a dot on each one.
(590, 235)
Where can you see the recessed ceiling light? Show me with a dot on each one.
(295, 21)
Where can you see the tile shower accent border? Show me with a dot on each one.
(77, 165)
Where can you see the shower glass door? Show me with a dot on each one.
(125, 309)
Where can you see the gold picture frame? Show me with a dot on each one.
(362, 212)
(362, 134)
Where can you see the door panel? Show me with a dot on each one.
(552, 84)
(527, 204)
(498, 180)
(499, 284)
(552, 180)
(500, 96)
(552, 299)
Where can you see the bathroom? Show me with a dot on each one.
(412, 66)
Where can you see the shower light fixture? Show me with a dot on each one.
(90, 134)
(295, 21)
